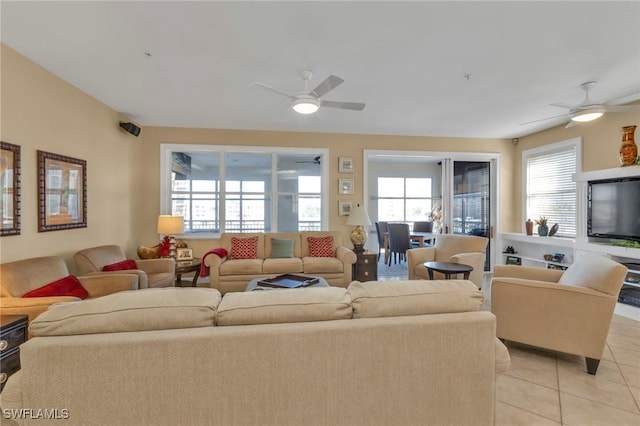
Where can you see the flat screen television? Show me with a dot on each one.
(613, 208)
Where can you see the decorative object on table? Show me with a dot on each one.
(628, 147)
(345, 165)
(181, 244)
(10, 188)
(169, 226)
(548, 257)
(510, 250)
(543, 229)
(184, 254)
(558, 257)
(529, 226)
(344, 207)
(554, 229)
(513, 260)
(359, 218)
(62, 192)
(345, 186)
(149, 252)
(436, 217)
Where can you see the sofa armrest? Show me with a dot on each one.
(503, 359)
(346, 256)
(31, 306)
(157, 266)
(143, 280)
(561, 317)
(528, 273)
(417, 257)
(101, 285)
(474, 259)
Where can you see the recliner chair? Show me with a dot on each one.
(568, 311)
(151, 272)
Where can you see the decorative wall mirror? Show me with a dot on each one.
(10, 188)
(62, 192)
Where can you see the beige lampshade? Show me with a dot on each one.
(358, 216)
(170, 225)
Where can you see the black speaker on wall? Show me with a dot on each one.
(130, 128)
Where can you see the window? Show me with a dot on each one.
(244, 189)
(402, 199)
(548, 184)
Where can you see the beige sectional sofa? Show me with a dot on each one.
(227, 274)
(377, 353)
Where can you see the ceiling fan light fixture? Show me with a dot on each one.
(305, 105)
(585, 115)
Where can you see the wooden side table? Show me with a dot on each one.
(448, 269)
(13, 333)
(366, 267)
(185, 267)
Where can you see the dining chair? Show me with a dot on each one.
(399, 241)
(381, 228)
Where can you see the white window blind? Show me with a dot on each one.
(550, 190)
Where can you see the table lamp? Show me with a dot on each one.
(359, 218)
(169, 226)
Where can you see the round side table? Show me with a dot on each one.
(448, 269)
(185, 267)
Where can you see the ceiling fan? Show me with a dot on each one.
(316, 160)
(308, 102)
(587, 110)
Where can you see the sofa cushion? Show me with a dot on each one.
(320, 246)
(67, 286)
(241, 267)
(244, 248)
(322, 265)
(416, 297)
(133, 310)
(284, 306)
(123, 265)
(281, 248)
(282, 266)
(595, 272)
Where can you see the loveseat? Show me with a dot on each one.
(377, 353)
(271, 256)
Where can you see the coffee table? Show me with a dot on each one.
(185, 267)
(254, 284)
(448, 269)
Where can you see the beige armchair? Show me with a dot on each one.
(465, 249)
(20, 277)
(151, 273)
(566, 311)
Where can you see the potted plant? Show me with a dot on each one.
(543, 229)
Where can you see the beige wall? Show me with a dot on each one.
(600, 148)
(42, 112)
(339, 145)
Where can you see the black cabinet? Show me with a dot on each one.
(13, 333)
(366, 267)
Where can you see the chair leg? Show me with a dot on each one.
(592, 365)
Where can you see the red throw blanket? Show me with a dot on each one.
(204, 270)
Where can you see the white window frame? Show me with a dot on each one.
(569, 144)
(404, 197)
(165, 178)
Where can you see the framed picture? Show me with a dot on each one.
(184, 254)
(513, 260)
(10, 189)
(62, 192)
(345, 165)
(345, 186)
(344, 207)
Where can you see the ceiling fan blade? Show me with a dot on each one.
(344, 105)
(330, 83)
(561, 105)
(273, 89)
(545, 119)
(570, 124)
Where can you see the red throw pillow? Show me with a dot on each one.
(124, 265)
(244, 248)
(320, 246)
(67, 286)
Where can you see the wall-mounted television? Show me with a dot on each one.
(613, 208)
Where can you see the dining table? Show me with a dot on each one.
(419, 237)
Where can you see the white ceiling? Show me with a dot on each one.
(467, 69)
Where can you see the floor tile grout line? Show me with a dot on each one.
(530, 412)
(555, 357)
